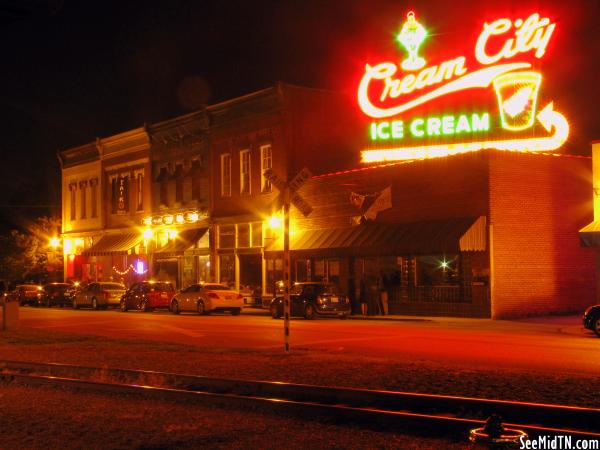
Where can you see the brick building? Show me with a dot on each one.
(487, 234)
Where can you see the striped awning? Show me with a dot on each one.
(428, 237)
(590, 235)
(184, 240)
(114, 244)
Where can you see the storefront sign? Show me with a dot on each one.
(423, 108)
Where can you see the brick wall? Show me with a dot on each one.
(421, 190)
(537, 205)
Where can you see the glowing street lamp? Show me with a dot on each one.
(54, 242)
(274, 222)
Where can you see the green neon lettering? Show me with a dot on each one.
(480, 123)
(463, 125)
(374, 131)
(397, 129)
(448, 125)
(383, 134)
(433, 126)
(415, 128)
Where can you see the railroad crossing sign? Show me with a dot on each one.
(291, 189)
(288, 194)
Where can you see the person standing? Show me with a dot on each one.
(363, 296)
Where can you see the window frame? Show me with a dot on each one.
(266, 162)
(245, 175)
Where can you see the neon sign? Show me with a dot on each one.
(500, 77)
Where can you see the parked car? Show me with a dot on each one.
(27, 294)
(100, 294)
(53, 294)
(148, 295)
(312, 299)
(591, 319)
(205, 298)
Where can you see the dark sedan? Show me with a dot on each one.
(55, 294)
(313, 299)
(591, 319)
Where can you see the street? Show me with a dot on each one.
(552, 345)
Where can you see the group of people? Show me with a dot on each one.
(374, 293)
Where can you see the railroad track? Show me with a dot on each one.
(412, 412)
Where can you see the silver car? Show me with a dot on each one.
(101, 294)
(205, 298)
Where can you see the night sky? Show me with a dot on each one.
(76, 70)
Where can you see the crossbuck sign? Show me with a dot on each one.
(288, 194)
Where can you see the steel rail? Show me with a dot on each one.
(409, 411)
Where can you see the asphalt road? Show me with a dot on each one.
(548, 345)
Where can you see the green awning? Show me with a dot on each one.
(425, 237)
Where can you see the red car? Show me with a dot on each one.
(148, 295)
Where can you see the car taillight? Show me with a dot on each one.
(212, 295)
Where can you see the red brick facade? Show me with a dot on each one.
(534, 206)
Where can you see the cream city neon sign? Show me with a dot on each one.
(382, 94)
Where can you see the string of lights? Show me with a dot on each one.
(129, 269)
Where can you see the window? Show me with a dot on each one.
(226, 175)
(266, 162)
(245, 172)
(257, 234)
(73, 200)
(196, 175)
(243, 235)
(227, 236)
(227, 269)
(94, 197)
(82, 188)
(140, 192)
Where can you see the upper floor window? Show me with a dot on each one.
(94, 197)
(266, 162)
(82, 189)
(226, 175)
(245, 172)
(140, 191)
(73, 201)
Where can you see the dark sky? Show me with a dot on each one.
(84, 69)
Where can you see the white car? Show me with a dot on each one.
(205, 298)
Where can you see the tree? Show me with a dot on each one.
(26, 255)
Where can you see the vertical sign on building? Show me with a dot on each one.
(122, 195)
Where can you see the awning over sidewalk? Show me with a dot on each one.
(185, 240)
(114, 244)
(428, 237)
(590, 235)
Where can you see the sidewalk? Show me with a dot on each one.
(560, 321)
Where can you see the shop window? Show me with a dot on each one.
(226, 175)
(319, 270)
(437, 270)
(256, 234)
(303, 270)
(245, 172)
(333, 271)
(274, 274)
(266, 162)
(227, 236)
(227, 269)
(243, 235)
